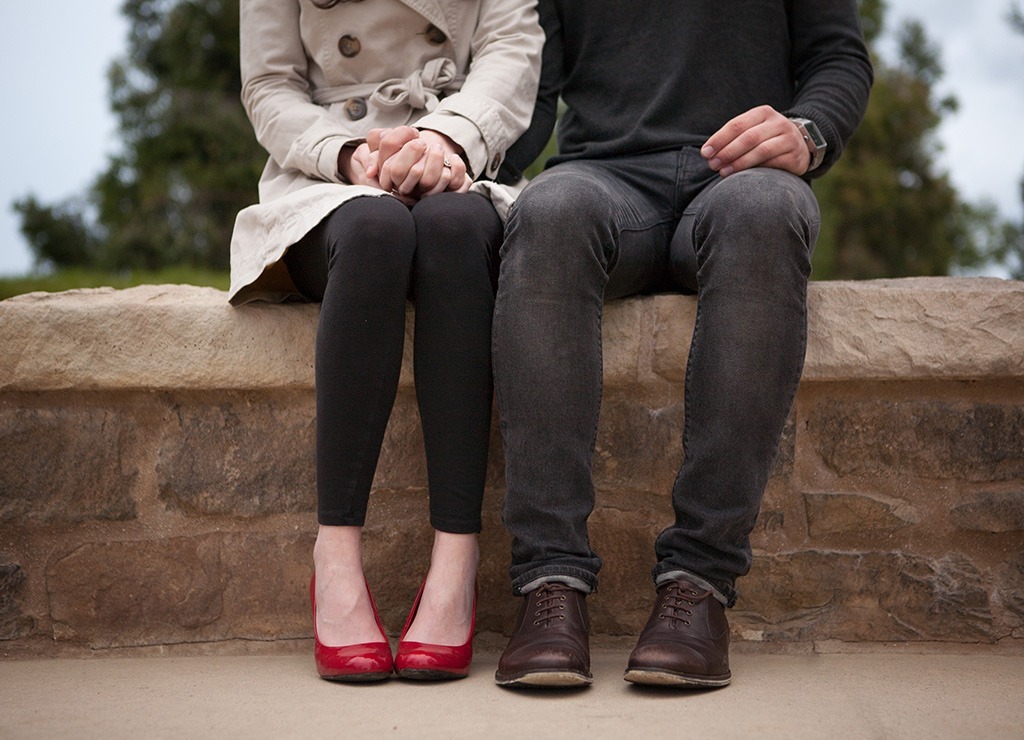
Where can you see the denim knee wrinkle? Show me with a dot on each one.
(584, 232)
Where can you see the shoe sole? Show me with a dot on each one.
(425, 674)
(357, 677)
(678, 680)
(546, 679)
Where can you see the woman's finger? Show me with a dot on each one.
(443, 181)
(433, 166)
(460, 182)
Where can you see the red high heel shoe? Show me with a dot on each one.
(424, 661)
(365, 661)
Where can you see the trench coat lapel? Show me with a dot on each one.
(433, 11)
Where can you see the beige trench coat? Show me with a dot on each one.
(315, 80)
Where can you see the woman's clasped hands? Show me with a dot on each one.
(410, 163)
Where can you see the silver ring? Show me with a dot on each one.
(447, 162)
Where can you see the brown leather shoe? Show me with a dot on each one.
(685, 642)
(550, 644)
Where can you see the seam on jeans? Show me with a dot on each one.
(677, 213)
(600, 396)
(688, 383)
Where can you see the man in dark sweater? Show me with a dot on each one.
(691, 132)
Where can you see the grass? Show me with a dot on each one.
(85, 278)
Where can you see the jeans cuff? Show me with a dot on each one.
(577, 584)
(675, 575)
(576, 578)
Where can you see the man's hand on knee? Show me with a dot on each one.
(761, 137)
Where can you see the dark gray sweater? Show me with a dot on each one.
(651, 75)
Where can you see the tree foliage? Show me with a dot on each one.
(59, 234)
(886, 209)
(189, 161)
(1009, 238)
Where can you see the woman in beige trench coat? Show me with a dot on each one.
(385, 121)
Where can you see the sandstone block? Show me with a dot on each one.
(402, 462)
(65, 464)
(1011, 588)
(192, 589)
(872, 596)
(153, 336)
(175, 337)
(978, 442)
(397, 540)
(638, 447)
(621, 332)
(13, 622)
(642, 447)
(244, 456)
(991, 512)
(624, 538)
(915, 328)
(856, 513)
(673, 330)
(783, 465)
(770, 521)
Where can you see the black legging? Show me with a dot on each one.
(362, 262)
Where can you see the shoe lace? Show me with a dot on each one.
(549, 600)
(676, 600)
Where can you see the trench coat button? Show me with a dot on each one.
(435, 35)
(355, 108)
(349, 46)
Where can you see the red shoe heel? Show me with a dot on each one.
(426, 662)
(365, 661)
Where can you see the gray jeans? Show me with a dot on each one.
(588, 231)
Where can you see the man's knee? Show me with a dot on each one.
(561, 222)
(763, 218)
(762, 199)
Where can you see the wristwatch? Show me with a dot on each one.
(816, 143)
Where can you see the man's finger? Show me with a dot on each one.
(395, 170)
(393, 140)
(735, 128)
(373, 137)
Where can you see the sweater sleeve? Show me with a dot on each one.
(832, 69)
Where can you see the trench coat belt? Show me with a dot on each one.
(421, 90)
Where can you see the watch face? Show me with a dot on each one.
(815, 134)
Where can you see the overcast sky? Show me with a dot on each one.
(58, 132)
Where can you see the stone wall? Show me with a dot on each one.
(157, 487)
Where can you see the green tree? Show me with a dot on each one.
(1009, 238)
(886, 210)
(189, 160)
(60, 234)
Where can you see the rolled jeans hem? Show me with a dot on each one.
(677, 574)
(575, 577)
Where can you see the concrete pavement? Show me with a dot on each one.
(882, 695)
